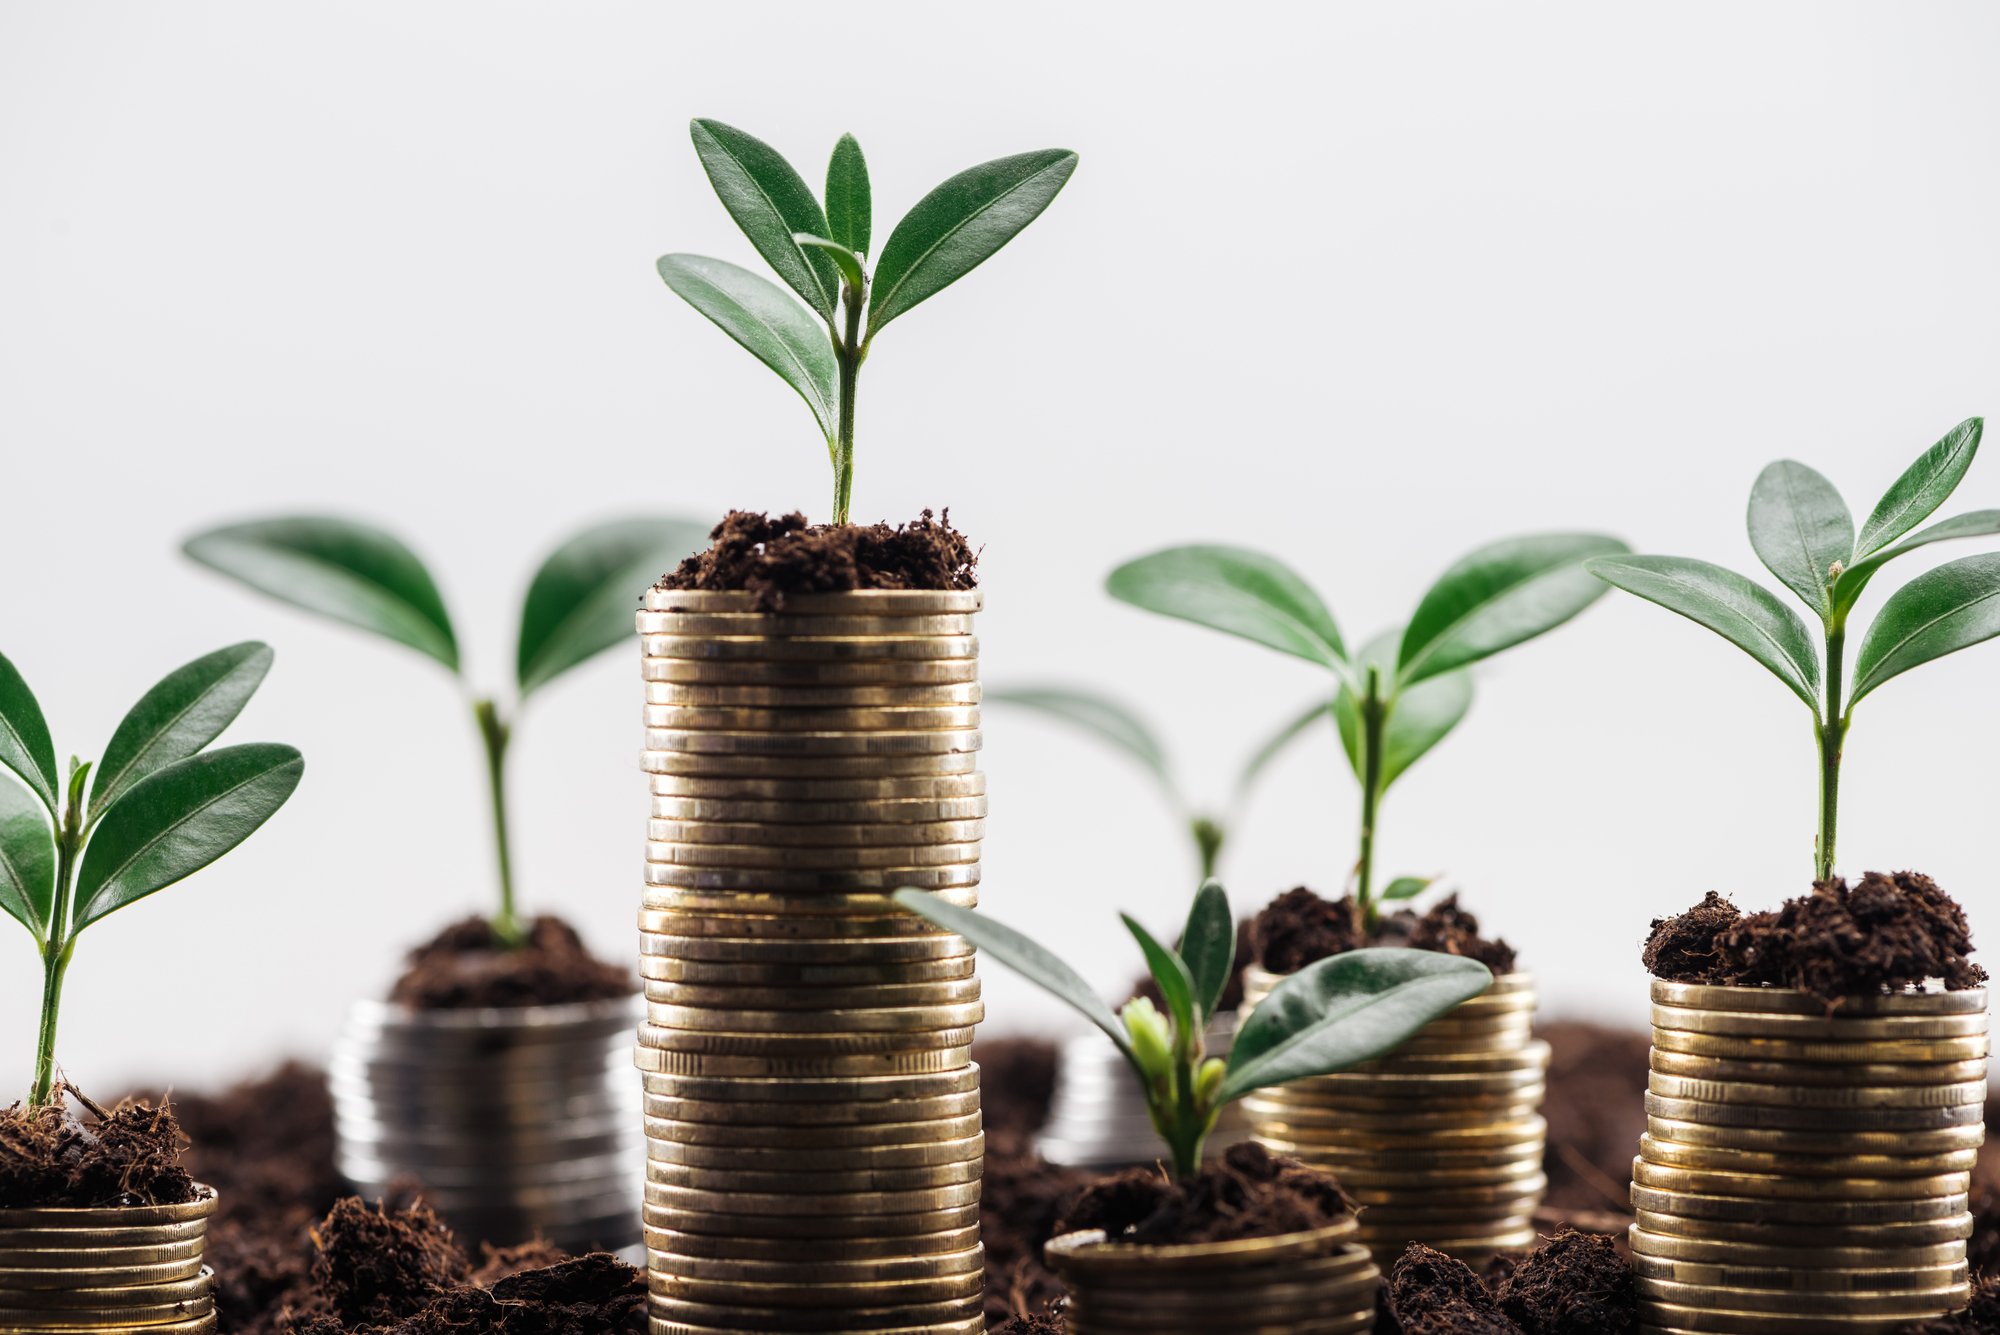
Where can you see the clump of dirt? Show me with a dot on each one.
(1594, 1113)
(466, 967)
(375, 1267)
(127, 1155)
(773, 558)
(498, 1263)
(1247, 1193)
(1979, 1317)
(1027, 1325)
(1433, 1294)
(1299, 927)
(1573, 1284)
(1017, 1082)
(1019, 1203)
(1884, 934)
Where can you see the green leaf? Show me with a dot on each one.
(770, 201)
(849, 203)
(760, 317)
(27, 860)
(1745, 613)
(1800, 530)
(1170, 971)
(184, 712)
(1277, 744)
(1345, 1010)
(1208, 947)
(1939, 612)
(1420, 716)
(179, 819)
(25, 744)
(1922, 488)
(1407, 887)
(1026, 958)
(1974, 524)
(1499, 596)
(1236, 590)
(581, 602)
(960, 225)
(1108, 719)
(341, 569)
(849, 263)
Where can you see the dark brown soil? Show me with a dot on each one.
(375, 1267)
(466, 967)
(1595, 1114)
(127, 1155)
(1573, 1284)
(1019, 1203)
(1299, 927)
(1884, 934)
(1247, 1193)
(1433, 1294)
(1017, 1082)
(1982, 1252)
(772, 558)
(1028, 1325)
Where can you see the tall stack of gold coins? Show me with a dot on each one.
(120, 1268)
(1806, 1166)
(1441, 1141)
(812, 1110)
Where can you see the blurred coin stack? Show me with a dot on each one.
(812, 1111)
(1806, 1167)
(1440, 1142)
(135, 1267)
(518, 1122)
(1098, 1117)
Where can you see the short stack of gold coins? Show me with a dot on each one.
(135, 1267)
(1440, 1142)
(1806, 1166)
(812, 1111)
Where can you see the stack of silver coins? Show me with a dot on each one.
(135, 1267)
(1098, 1117)
(517, 1122)
(1441, 1141)
(812, 1111)
(1806, 1166)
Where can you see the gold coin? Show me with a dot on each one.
(789, 859)
(1356, 1173)
(104, 1275)
(1382, 1089)
(793, 1205)
(112, 1224)
(1751, 1210)
(889, 789)
(790, 834)
(1813, 1119)
(877, 672)
(1336, 1128)
(956, 992)
(788, 747)
(951, 695)
(1841, 1097)
(784, 927)
(1530, 1057)
(817, 1023)
(825, 1297)
(818, 1092)
(829, 879)
(1677, 1155)
(1441, 1111)
(818, 649)
(1802, 1260)
(970, 1326)
(1783, 1140)
(810, 1183)
(1921, 1027)
(851, 602)
(704, 765)
(773, 1320)
(191, 1291)
(846, 952)
(807, 815)
(172, 1321)
(865, 904)
(1807, 1073)
(854, 1136)
(1512, 1160)
(1746, 1310)
(54, 1256)
(661, 969)
(929, 1154)
(1786, 1001)
(1830, 1237)
(681, 1246)
(668, 1062)
(750, 1043)
(803, 1270)
(741, 1113)
(742, 625)
(839, 719)
(1880, 1052)
(1820, 1283)
(1774, 1187)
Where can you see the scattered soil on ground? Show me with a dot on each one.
(772, 558)
(129, 1154)
(1017, 1082)
(1573, 1284)
(375, 1267)
(1020, 1201)
(1247, 1193)
(1883, 934)
(1299, 927)
(466, 967)
(1028, 1325)
(1433, 1294)
(1595, 1114)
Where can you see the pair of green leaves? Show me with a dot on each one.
(1803, 533)
(160, 807)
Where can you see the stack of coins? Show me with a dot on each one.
(1806, 1166)
(121, 1268)
(1098, 1117)
(518, 1122)
(812, 1111)
(1441, 1141)
(1313, 1283)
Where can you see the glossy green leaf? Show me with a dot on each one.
(849, 203)
(770, 325)
(851, 268)
(27, 860)
(1177, 985)
(960, 225)
(184, 712)
(1741, 611)
(1801, 531)
(1208, 947)
(1278, 743)
(1497, 597)
(1923, 487)
(338, 568)
(1100, 715)
(1420, 716)
(179, 819)
(25, 744)
(1939, 612)
(1973, 524)
(1236, 590)
(770, 201)
(1407, 887)
(581, 602)
(1025, 957)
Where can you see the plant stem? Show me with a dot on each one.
(494, 732)
(1374, 716)
(850, 352)
(56, 951)
(1831, 732)
(1208, 836)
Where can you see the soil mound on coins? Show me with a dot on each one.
(1299, 927)
(1882, 934)
(128, 1155)
(466, 967)
(1021, 1197)
(1573, 1284)
(1430, 1293)
(1017, 1080)
(754, 553)
(1247, 1193)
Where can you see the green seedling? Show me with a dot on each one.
(1802, 531)
(1113, 722)
(155, 808)
(1327, 1017)
(1408, 687)
(580, 603)
(822, 254)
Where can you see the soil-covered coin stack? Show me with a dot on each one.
(1807, 1163)
(812, 1111)
(126, 1267)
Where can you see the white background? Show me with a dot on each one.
(1362, 284)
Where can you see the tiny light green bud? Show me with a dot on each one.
(1208, 1082)
(1152, 1037)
